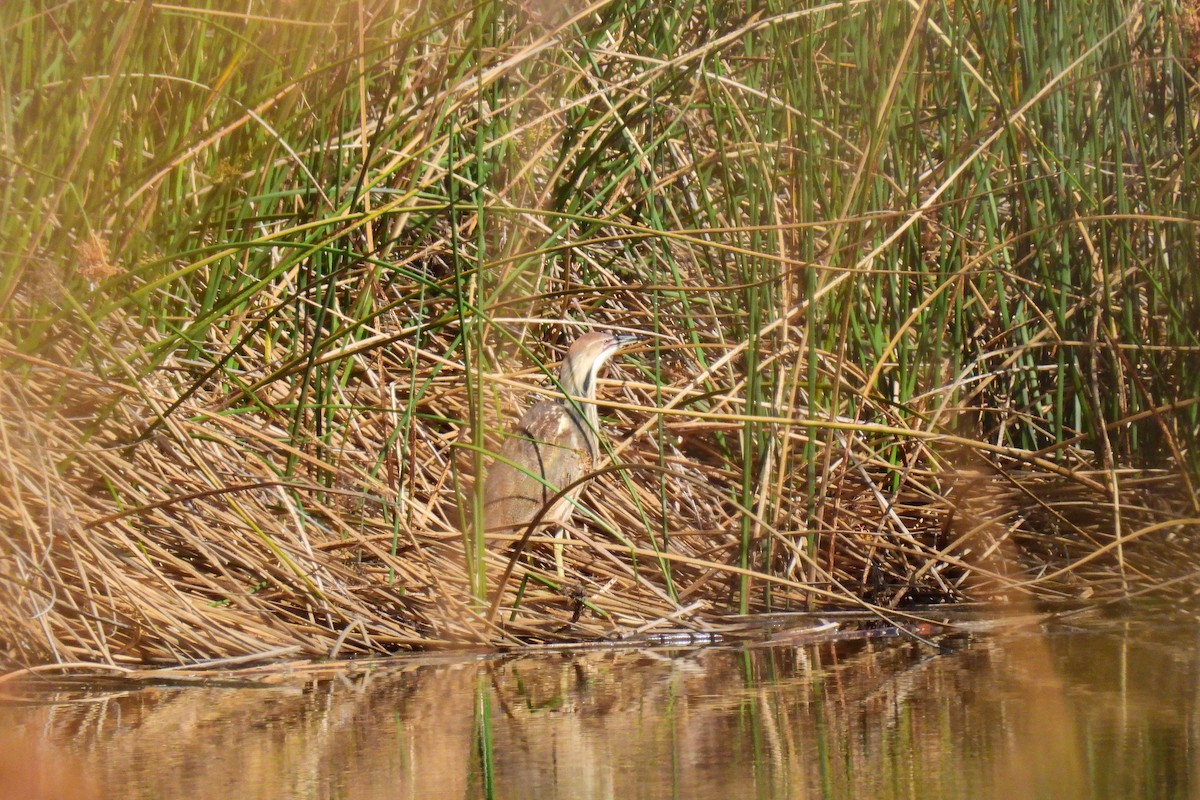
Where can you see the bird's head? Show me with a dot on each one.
(585, 358)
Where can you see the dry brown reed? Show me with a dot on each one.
(261, 444)
(183, 546)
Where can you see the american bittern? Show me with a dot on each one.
(554, 444)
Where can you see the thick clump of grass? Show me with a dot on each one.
(920, 283)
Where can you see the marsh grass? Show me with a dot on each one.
(921, 283)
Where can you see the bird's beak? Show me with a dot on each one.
(626, 339)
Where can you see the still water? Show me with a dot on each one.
(1105, 708)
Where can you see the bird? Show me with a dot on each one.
(554, 444)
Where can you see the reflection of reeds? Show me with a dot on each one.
(406, 736)
(1017, 714)
(920, 286)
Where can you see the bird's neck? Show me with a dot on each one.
(580, 404)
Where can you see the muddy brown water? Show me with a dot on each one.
(1097, 708)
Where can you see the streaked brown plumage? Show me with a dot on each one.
(554, 444)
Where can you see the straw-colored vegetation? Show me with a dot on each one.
(921, 281)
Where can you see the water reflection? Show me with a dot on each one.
(1105, 712)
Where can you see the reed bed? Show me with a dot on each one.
(920, 283)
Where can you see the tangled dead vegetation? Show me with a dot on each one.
(130, 538)
(919, 284)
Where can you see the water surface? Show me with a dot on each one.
(1106, 708)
